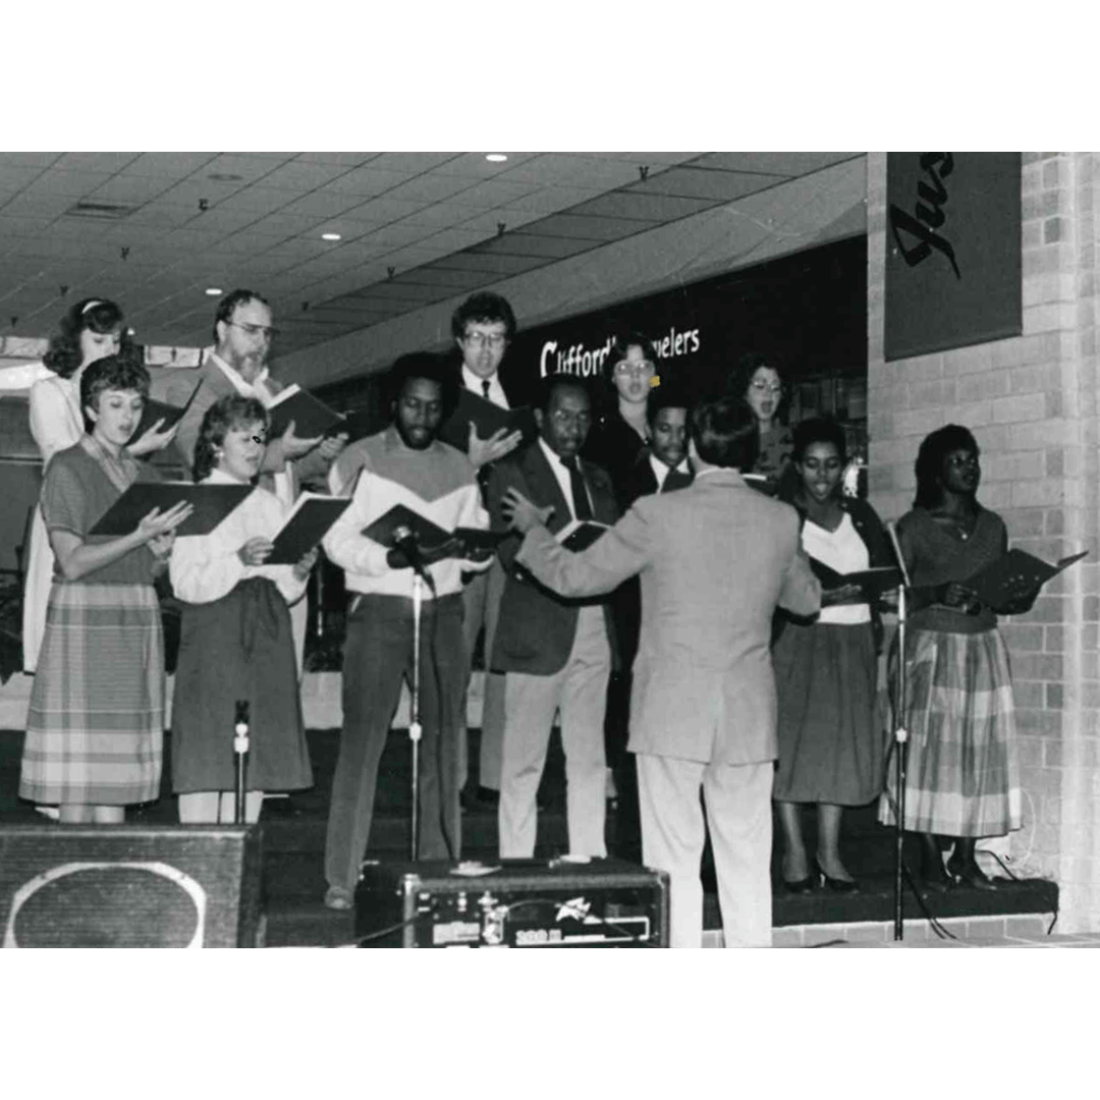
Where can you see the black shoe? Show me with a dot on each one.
(970, 874)
(837, 885)
(799, 886)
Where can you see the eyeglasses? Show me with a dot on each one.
(493, 340)
(255, 330)
(639, 366)
(761, 386)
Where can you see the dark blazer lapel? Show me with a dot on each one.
(544, 487)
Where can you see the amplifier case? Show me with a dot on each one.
(524, 903)
(130, 886)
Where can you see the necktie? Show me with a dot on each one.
(676, 479)
(485, 387)
(582, 510)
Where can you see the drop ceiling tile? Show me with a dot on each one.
(191, 192)
(412, 164)
(382, 210)
(387, 295)
(368, 180)
(324, 204)
(721, 186)
(225, 219)
(491, 222)
(130, 189)
(549, 200)
(486, 261)
(299, 175)
(163, 214)
(429, 188)
(574, 170)
(29, 160)
(37, 204)
(243, 245)
(349, 160)
(297, 248)
(644, 207)
(267, 264)
(492, 193)
(788, 164)
(262, 200)
(592, 229)
(399, 233)
(443, 277)
(475, 166)
(530, 244)
(439, 215)
(58, 182)
(172, 165)
(193, 239)
(97, 162)
(457, 238)
(251, 167)
(282, 224)
(645, 158)
(14, 177)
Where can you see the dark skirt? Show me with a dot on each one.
(95, 724)
(238, 648)
(830, 744)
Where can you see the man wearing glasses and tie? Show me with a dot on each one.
(483, 326)
(243, 334)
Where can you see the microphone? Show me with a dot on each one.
(405, 541)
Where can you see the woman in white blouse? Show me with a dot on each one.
(830, 745)
(91, 330)
(235, 638)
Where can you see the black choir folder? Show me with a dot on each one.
(161, 410)
(428, 534)
(874, 582)
(311, 416)
(1000, 584)
(580, 534)
(304, 528)
(488, 419)
(212, 504)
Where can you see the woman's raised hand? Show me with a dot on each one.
(256, 550)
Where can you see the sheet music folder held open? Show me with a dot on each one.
(1000, 584)
(428, 534)
(212, 504)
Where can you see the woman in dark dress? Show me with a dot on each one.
(759, 383)
(962, 778)
(235, 634)
(622, 432)
(95, 724)
(830, 744)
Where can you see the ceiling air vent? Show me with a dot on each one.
(112, 211)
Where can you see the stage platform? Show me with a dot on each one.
(294, 836)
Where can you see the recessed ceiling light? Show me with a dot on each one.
(496, 158)
(213, 291)
(330, 236)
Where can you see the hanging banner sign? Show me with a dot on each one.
(953, 270)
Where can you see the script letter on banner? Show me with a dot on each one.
(952, 250)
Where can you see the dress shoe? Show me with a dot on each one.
(837, 885)
(339, 897)
(970, 874)
(799, 886)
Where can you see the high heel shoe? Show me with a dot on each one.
(970, 874)
(799, 886)
(837, 885)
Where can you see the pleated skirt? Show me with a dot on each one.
(95, 724)
(962, 775)
(830, 742)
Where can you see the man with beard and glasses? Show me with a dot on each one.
(238, 364)
(404, 464)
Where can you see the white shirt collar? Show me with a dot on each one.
(661, 471)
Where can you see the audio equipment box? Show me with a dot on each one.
(130, 886)
(512, 903)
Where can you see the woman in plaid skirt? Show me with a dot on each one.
(962, 780)
(96, 715)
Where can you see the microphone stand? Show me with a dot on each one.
(901, 743)
(415, 728)
(240, 748)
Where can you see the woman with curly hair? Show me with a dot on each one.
(95, 723)
(758, 381)
(962, 781)
(236, 641)
(92, 329)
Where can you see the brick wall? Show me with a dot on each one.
(1031, 403)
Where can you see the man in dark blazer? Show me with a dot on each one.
(715, 560)
(556, 653)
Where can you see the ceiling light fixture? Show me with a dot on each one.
(496, 158)
(213, 291)
(330, 236)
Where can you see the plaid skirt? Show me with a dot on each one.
(962, 778)
(95, 725)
